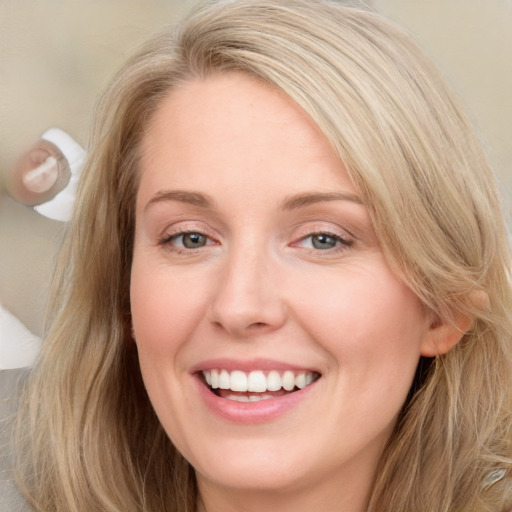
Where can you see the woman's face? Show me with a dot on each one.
(256, 266)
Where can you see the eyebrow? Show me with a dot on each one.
(307, 199)
(291, 203)
(183, 196)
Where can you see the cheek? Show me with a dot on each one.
(368, 321)
(163, 318)
(164, 307)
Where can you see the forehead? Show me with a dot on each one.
(232, 128)
(231, 106)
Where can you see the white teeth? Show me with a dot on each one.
(274, 382)
(251, 398)
(257, 381)
(288, 380)
(241, 398)
(238, 381)
(300, 380)
(224, 380)
(215, 379)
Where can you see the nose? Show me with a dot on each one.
(248, 299)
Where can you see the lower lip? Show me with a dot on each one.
(252, 412)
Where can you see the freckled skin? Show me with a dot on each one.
(262, 283)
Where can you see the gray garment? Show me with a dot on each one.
(10, 498)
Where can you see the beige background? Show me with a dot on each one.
(56, 55)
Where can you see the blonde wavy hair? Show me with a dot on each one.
(87, 436)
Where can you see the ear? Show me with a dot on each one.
(442, 335)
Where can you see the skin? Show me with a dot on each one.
(261, 289)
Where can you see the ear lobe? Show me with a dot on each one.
(443, 336)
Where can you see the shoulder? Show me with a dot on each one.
(10, 499)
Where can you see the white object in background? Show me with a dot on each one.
(61, 206)
(18, 346)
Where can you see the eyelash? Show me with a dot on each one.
(167, 241)
(341, 243)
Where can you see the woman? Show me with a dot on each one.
(285, 286)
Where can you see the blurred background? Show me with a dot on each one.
(57, 55)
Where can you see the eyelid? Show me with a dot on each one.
(344, 238)
(182, 228)
(179, 234)
(327, 228)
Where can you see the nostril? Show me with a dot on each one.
(257, 326)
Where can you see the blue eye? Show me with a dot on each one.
(188, 240)
(324, 241)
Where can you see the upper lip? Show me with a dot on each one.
(248, 365)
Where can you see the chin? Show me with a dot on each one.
(254, 477)
(253, 466)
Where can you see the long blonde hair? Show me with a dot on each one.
(87, 437)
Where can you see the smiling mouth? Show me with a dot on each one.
(254, 386)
